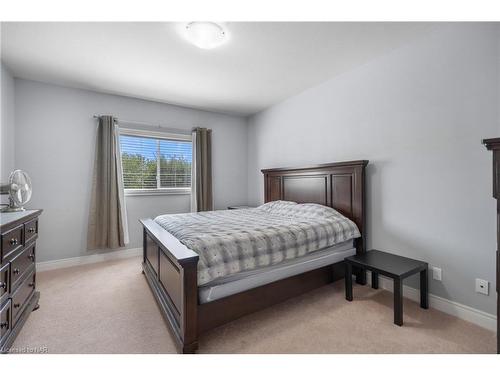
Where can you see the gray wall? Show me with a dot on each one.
(418, 114)
(7, 126)
(55, 136)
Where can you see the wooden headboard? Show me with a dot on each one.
(337, 185)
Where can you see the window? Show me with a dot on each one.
(155, 163)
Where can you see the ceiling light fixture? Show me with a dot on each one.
(206, 35)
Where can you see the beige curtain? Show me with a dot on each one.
(107, 218)
(201, 170)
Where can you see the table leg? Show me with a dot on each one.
(424, 291)
(398, 301)
(348, 281)
(360, 276)
(374, 280)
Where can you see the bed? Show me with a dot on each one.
(206, 269)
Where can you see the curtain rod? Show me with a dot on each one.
(142, 123)
(130, 121)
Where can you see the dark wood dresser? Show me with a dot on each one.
(493, 144)
(18, 295)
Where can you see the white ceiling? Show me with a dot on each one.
(260, 65)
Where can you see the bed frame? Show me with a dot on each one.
(171, 268)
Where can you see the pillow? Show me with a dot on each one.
(305, 210)
(313, 210)
(277, 207)
(276, 204)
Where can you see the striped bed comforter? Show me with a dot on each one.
(232, 241)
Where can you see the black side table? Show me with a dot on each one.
(394, 266)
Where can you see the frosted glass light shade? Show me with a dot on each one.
(206, 35)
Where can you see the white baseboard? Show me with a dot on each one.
(87, 259)
(470, 314)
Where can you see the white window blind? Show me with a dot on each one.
(155, 164)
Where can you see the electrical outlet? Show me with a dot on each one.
(436, 273)
(482, 286)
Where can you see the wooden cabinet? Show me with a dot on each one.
(493, 144)
(18, 295)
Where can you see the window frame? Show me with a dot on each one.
(171, 136)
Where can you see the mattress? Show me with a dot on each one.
(230, 242)
(243, 281)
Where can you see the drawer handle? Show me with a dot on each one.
(31, 256)
(4, 324)
(3, 285)
(16, 271)
(31, 230)
(16, 305)
(13, 241)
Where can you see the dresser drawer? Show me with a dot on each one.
(21, 264)
(4, 282)
(21, 295)
(5, 317)
(11, 241)
(30, 230)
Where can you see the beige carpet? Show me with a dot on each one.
(108, 308)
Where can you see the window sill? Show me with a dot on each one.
(173, 191)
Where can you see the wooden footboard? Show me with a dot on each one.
(171, 272)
